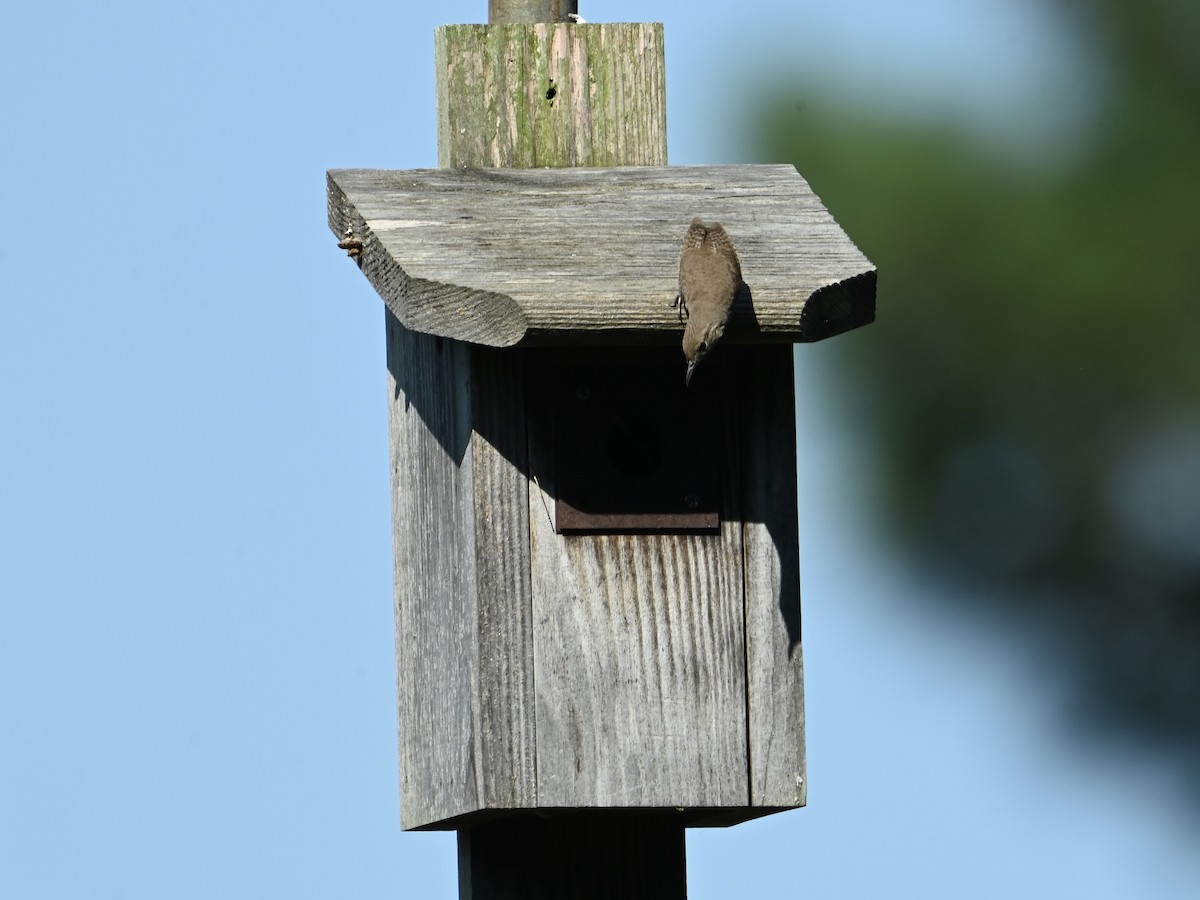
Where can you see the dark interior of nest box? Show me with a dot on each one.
(635, 450)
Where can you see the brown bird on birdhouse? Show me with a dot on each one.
(709, 278)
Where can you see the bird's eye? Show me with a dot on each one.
(704, 346)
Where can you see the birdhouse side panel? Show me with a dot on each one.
(463, 634)
(435, 605)
(436, 634)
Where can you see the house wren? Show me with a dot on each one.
(709, 278)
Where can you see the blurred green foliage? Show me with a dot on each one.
(1034, 369)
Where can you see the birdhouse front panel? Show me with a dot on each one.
(630, 666)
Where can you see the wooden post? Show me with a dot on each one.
(601, 854)
(527, 96)
(555, 94)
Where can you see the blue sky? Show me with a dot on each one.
(196, 650)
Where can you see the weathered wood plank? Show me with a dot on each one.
(551, 95)
(436, 641)
(464, 655)
(495, 256)
(500, 506)
(639, 653)
(775, 668)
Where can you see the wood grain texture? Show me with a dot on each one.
(524, 96)
(497, 256)
(774, 661)
(434, 571)
(464, 660)
(639, 655)
(499, 479)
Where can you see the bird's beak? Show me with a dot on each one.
(687, 379)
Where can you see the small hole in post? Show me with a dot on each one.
(552, 92)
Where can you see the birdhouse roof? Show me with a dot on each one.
(566, 255)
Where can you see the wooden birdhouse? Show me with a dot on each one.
(596, 566)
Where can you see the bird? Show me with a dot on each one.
(709, 278)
